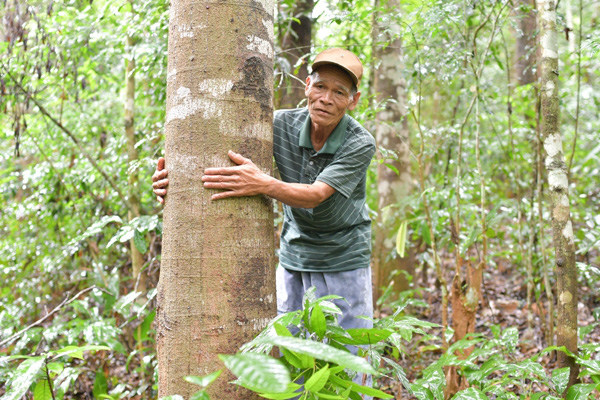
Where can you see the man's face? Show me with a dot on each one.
(328, 96)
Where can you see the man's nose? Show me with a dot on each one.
(327, 97)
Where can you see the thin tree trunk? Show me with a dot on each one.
(558, 182)
(526, 44)
(393, 175)
(217, 283)
(137, 259)
(295, 44)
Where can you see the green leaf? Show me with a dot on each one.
(77, 351)
(361, 336)
(172, 397)
(139, 239)
(401, 239)
(360, 388)
(42, 390)
(318, 379)
(581, 391)
(259, 372)
(470, 394)
(24, 377)
(205, 380)
(328, 396)
(280, 396)
(100, 385)
(317, 321)
(321, 351)
(200, 395)
(560, 378)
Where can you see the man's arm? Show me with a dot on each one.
(246, 179)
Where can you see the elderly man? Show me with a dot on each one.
(322, 155)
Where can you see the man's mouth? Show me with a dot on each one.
(322, 111)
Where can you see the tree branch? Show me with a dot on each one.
(73, 138)
(65, 302)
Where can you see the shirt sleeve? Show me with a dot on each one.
(350, 168)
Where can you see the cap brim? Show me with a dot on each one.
(321, 63)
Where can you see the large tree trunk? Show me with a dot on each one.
(137, 259)
(558, 182)
(216, 288)
(526, 44)
(392, 134)
(295, 44)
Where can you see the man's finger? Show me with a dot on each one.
(160, 199)
(160, 192)
(160, 165)
(238, 158)
(224, 195)
(160, 184)
(221, 171)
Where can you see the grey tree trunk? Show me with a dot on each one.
(392, 133)
(295, 44)
(525, 53)
(217, 282)
(558, 182)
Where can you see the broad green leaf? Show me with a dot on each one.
(205, 380)
(280, 396)
(77, 351)
(200, 395)
(24, 377)
(581, 391)
(317, 380)
(328, 396)
(139, 240)
(401, 239)
(42, 390)
(361, 336)
(360, 388)
(258, 371)
(470, 394)
(100, 384)
(560, 378)
(317, 321)
(321, 351)
(421, 392)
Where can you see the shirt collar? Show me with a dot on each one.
(333, 142)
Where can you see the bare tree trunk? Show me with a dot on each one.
(558, 182)
(217, 283)
(394, 175)
(526, 44)
(137, 259)
(295, 44)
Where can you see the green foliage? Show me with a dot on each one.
(50, 367)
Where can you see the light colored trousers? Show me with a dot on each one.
(354, 286)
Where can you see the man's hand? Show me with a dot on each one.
(160, 181)
(245, 179)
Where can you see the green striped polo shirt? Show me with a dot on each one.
(336, 235)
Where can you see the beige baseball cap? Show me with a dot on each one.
(342, 58)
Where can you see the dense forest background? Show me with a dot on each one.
(458, 190)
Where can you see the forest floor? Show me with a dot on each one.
(504, 304)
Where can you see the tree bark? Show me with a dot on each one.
(295, 44)
(217, 283)
(526, 44)
(558, 182)
(391, 131)
(137, 259)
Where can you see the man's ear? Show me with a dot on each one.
(307, 86)
(354, 102)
